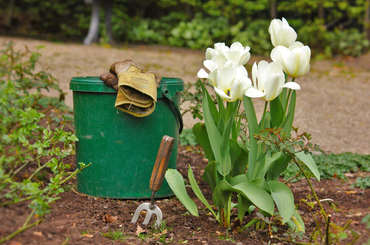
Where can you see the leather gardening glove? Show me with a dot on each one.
(137, 91)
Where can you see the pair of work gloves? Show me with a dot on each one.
(137, 90)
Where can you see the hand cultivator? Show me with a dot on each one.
(156, 181)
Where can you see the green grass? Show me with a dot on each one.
(117, 235)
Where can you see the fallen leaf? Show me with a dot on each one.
(354, 215)
(109, 218)
(160, 234)
(139, 230)
(37, 233)
(351, 192)
(88, 235)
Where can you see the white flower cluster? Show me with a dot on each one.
(230, 78)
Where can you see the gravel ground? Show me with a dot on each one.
(333, 104)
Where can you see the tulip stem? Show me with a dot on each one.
(288, 98)
(263, 117)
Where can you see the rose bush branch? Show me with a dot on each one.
(33, 147)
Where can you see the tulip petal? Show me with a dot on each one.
(210, 65)
(222, 94)
(202, 73)
(292, 85)
(254, 93)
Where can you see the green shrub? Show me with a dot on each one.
(256, 36)
(200, 33)
(32, 145)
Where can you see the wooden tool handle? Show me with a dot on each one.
(161, 162)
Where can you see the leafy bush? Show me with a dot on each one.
(32, 145)
(200, 32)
(346, 42)
(333, 43)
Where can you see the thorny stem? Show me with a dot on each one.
(39, 169)
(292, 178)
(13, 202)
(29, 218)
(24, 165)
(20, 231)
(312, 189)
(23, 228)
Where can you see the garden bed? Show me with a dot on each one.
(80, 219)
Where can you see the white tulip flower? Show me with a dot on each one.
(237, 54)
(268, 79)
(294, 60)
(230, 83)
(281, 33)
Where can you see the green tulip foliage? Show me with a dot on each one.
(243, 175)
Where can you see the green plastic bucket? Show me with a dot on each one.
(120, 147)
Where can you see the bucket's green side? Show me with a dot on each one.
(122, 148)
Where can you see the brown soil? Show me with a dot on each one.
(76, 214)
(333, 106)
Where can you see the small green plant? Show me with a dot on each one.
(32, 144)
(187, 137)
(362, 182)
(117, 235)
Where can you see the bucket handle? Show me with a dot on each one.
(167, 95)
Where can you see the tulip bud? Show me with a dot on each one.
(281, 33)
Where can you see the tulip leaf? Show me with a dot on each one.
(297, 219)
(211, 105)
(176, 183)
(200, 133)
(225, 148)
(296, 223)
(277, 112)
(283, 198)
(213, 133)
(288, 122)
(221, 126)
(243, 205)
(263, 184)
(239, 165)
(277, 166)
(234, 151)
(257, 195)
(197, 191)
(222, 199)
(253, 129)
(310, 163)
(211, 175)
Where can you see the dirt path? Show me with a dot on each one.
(333, 105)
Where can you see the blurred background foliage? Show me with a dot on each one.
(329, 27)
